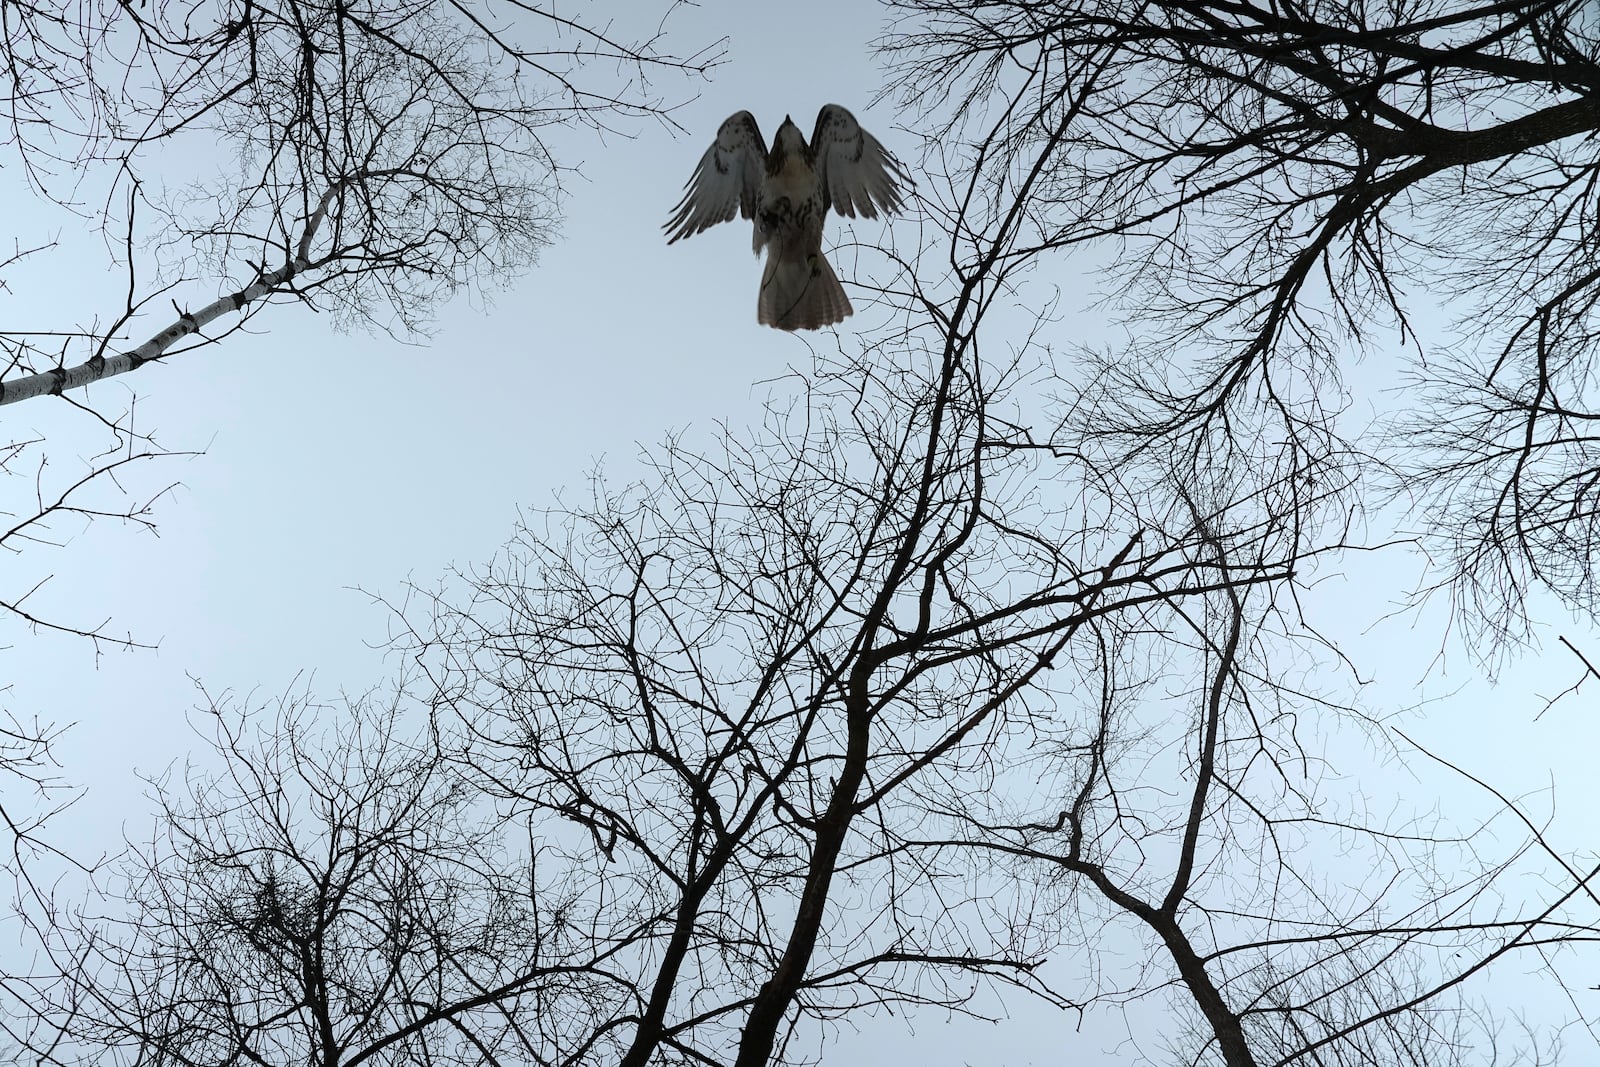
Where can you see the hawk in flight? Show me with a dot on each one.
(788, 192)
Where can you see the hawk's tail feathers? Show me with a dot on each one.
(800, 292)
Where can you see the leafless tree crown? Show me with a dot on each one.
(990, 666)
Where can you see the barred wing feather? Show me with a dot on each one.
(858, 174)
(728, 179)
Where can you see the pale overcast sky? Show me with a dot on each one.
(341, 461)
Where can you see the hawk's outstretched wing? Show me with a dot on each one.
(858, 174)
(728, 179)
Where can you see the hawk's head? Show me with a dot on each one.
(789, 143)
(789, 138)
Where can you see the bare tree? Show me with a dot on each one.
(368, 160)
(739, 681)
(861, 716)
(1282, 184)
(761, 682)
(1263, 185)
(358, 130)
(386, 154)
(1288, 920)
(333, 893)
(779, 724)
